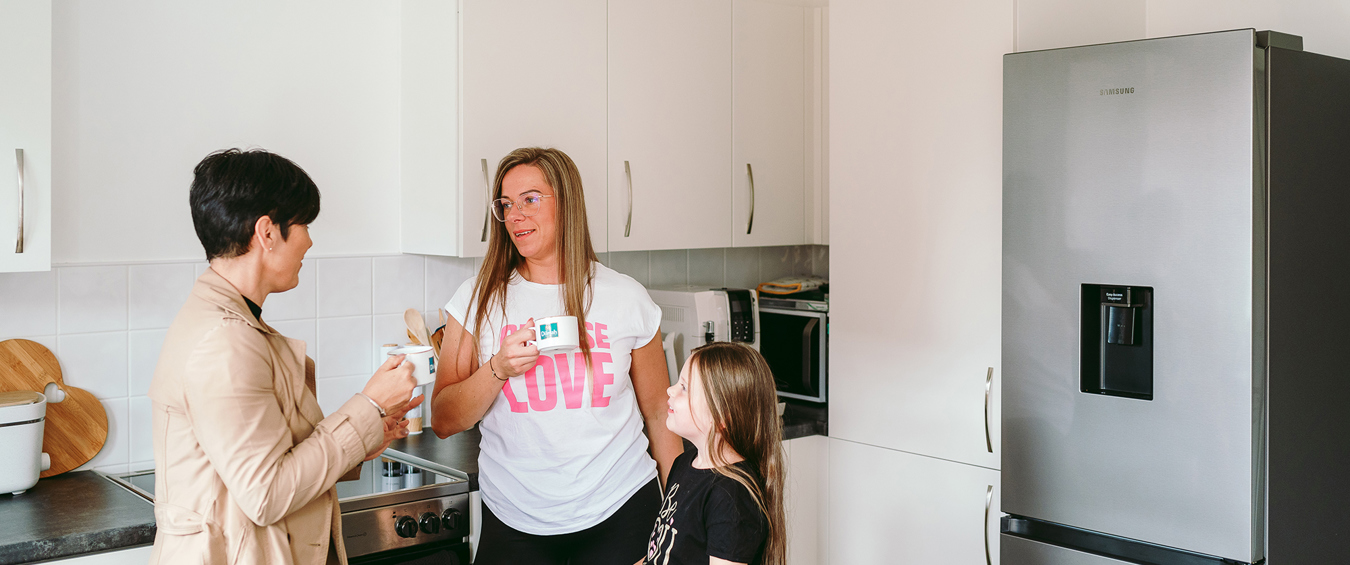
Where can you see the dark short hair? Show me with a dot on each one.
(231, 189)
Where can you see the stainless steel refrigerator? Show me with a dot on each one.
(1176, 303)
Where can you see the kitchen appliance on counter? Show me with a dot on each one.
(694, 315)
(394, 513)
(794, 338)
(22, 414)
(1174, 256)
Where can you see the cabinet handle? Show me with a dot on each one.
(988, 384)
(487, 188)
(750, 174)
(628, 173)
(18, 155)
(988, 502)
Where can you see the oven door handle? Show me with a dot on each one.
(807, 330)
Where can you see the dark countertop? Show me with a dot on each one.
(457, 455)
(72, 514)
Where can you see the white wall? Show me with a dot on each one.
(143, 90)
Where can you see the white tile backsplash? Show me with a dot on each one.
(334, 392)
(83, 313)
(142, 356)
(742, 267)
(155, 293)
(298, 303)
(114, 452)
(27, 304)
(398, 283)
(95, 362)
(667, 268)
(444, 277)
(344, 346)
(140, 444)
(632, 263)
(707, 267)
(344, 287)
(91, 299)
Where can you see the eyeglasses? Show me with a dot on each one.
(528, 206)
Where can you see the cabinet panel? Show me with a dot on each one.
(916, 273)
(804, 500)
(669, 124)
(533, 75)
(26, 124)
(769, 87)
(894, 507)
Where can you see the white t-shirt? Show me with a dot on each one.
(559, 456)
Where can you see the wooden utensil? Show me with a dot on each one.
(76, 427)
(417, 327)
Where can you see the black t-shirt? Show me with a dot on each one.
(704, 514)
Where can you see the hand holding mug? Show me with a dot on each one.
(517, 355)
(392, 385)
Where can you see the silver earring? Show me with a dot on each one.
(269, 248)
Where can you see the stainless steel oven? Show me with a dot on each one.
(794, 339)
(395, 513)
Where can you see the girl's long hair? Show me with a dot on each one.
(740, 392)
(573, 244)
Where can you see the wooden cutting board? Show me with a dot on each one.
(76, 427)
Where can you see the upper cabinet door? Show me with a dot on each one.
(533, 75)
(25, 135)
(669, 124)
(769, 85)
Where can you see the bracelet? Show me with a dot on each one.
(494, 369)
(373, 403)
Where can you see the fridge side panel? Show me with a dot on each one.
(1129, 166)
(1309, 461)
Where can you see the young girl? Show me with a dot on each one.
(723, 502)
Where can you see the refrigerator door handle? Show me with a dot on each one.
(988, 503)
(487, 187)
(988, 386)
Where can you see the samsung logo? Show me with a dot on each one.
(1110, 91)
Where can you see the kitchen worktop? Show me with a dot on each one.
(72, 514)
(458, 454)
(82, 512)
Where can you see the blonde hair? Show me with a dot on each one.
(576, 255)
(739, 389)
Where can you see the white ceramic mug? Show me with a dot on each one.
(424, 363)
(556, 334)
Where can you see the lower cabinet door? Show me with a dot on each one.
(803, 499)
(888, 506)
(1023, 551)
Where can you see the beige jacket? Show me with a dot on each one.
(245, 461)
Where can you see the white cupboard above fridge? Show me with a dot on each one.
(25, 136)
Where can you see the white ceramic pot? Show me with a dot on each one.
(22, 414)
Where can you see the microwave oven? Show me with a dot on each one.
(694, 315)
(794, 339)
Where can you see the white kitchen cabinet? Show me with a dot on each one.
(669, 124)
(804, 500)
(769, 86)
(888, 506)
(482, 82)
(916, 138)
(26, 135)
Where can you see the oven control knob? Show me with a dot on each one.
(450, 519)
(406, 527)
(431, 524)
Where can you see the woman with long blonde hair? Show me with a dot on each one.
(573, 442)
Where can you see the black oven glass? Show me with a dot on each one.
(791, 345)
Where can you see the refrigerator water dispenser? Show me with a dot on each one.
(1117, 341)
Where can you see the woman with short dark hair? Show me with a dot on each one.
(245, 460)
